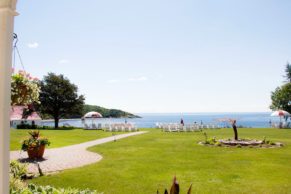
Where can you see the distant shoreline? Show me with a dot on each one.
(51, 120)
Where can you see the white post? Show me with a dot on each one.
(7, 13)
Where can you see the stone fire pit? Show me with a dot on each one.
(242, 143)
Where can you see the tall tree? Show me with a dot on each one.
(281, 98)
(59, 97)
(288, 72)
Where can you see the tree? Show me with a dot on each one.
(281, 98)
(288, 72)
(59, 97)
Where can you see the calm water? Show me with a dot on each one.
(148, 120)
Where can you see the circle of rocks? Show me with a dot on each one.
(243, 143)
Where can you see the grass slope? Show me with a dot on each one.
(142, 164)
(58, 138)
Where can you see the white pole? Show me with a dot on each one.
(7, 13)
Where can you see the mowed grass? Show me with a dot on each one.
(142, 164)
(58, 138)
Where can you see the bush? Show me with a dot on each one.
(16, 185)
(60, 128)
(34, 189)
(26, 126)
(16, 173)
(17, 170)
(212, 141)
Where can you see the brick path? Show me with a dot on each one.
(57, 159)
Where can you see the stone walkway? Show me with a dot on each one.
(68, 157)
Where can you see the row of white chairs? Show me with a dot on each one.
(120, 127)
(93, 126)
(284, 125)
(175, 127)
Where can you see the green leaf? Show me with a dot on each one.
(190, 189)
(175, 189)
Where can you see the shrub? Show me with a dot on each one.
(17, 186)
(16, 173)
(18, 170)
(26, 126)
(60, 128)
(212, 141)
(35, 189)
(217, 143)
(32, 189)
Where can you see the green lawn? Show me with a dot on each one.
(58, 138)
(142, 164)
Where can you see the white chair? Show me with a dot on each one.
(86, 126)
(167, 128)
(94, 126)
(99, 126)
(127, 127)
(158, 125)
(107, 127)
(115, 127)
(174, 128)
(181, 128)
(188, 128)
(118, 127)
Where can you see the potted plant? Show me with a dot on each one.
(24, 89)
(35, 145)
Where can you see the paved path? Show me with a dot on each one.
(68, 157)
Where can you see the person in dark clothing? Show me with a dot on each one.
(234, 129)
(182, 122)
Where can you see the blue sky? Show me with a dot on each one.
(161, 55)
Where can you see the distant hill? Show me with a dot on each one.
(114, 113)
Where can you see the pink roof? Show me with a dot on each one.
(16, 114)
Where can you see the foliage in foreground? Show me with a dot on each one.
(18, 173)
(175, 189)
(34, 189)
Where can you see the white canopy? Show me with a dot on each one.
(93, 115)
(280, 113)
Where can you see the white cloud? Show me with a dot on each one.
(33, 45)
(112, 81)
(63, 61)
(136, 79)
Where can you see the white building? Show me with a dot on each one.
(16, 117)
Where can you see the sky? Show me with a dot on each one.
(160, 56)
